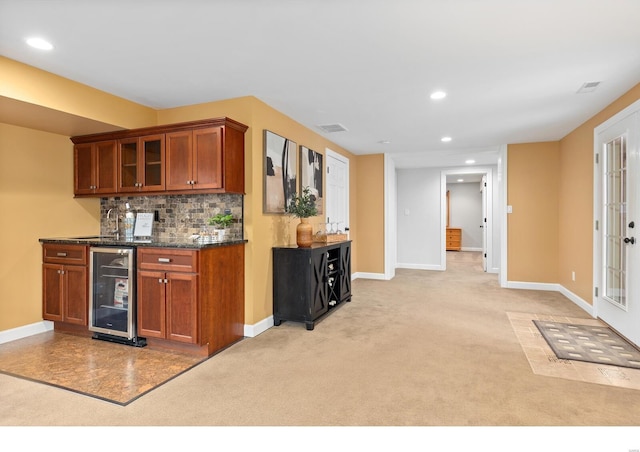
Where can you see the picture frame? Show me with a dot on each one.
(312, 174)
(279, 173)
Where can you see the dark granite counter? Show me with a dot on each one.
(96, 240)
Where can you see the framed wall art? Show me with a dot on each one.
(311, 173)
(280, 172)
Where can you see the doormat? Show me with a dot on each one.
(108, 371)
(589, 343)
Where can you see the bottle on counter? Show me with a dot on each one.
(129, 221)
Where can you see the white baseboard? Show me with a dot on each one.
(25, 331)
(470, 248)
(257, 328)
(431, 267)
(584, 305)
(365, 275)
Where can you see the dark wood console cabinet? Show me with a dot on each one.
(309, 282)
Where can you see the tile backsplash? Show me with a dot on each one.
(179, 216)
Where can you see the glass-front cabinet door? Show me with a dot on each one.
(141, 164)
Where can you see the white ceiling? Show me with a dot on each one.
(511, 68)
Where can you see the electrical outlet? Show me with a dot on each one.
(573, 276)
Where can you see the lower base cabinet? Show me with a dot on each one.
(192, 300)
(65, 290)
(309, 282)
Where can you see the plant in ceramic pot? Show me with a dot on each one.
(221, 222)
(303, 207)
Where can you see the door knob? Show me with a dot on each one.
(631, 240)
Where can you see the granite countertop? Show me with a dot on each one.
(96, 240)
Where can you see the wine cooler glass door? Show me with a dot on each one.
(112, 293)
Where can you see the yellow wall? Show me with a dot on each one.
(533, 178)
(369, 209)
(262, 231)
(576, 200)
(39, 179)
(26, 84)
(36, 200)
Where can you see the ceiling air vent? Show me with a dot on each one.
(588, 87)
(331, 128)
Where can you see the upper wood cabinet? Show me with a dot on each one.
(200, 156)
(141, 163)
(194, 159)
(95, 168)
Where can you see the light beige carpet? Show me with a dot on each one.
(424, 349)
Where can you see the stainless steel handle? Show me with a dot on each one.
(164, 260)
(61, 254)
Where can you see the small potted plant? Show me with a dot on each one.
(221, 222)
(303, 207)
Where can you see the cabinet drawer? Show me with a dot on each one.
(168, 260)
(64, 254)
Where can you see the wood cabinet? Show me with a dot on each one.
(308, 282)
(167, 294)
(194, 159)
(454, 239)
(141, 164)
(192, 297)
(95, 168)
(65, 290)
(205, 156)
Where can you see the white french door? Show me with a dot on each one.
(617, 257)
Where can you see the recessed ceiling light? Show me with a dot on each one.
(460, 180)
(445, 139)
(438, 95)
(40, 43)
(384, 142)
(470, 161)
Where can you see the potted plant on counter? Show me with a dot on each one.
(303, 207)
(220, 223)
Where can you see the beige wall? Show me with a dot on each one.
(41, 183)
(533, 179)
(576, 200)
(36, 200)
(370, 213)
(263, 231)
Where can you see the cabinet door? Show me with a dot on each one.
(151, 166)
(151, 304)
(105, 167)
(318, 287)
(84, 167)
(75, 300)
(182, 307)
(207, 160)
(52, 292)
(345, 271)
(128, 165)
(179, 156)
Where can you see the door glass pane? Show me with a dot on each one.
(128, 164)
(615, 199)
(153, 162)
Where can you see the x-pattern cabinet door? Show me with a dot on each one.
(319, 303)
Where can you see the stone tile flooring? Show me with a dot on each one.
(113, 372)
(543, 360)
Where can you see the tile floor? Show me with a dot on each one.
(544, 362)
(113, 372)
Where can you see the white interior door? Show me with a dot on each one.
(483, 188)
(618, 253)
(337, 203)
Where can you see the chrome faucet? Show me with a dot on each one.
(115, 231)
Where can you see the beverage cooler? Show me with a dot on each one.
(112, 298)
